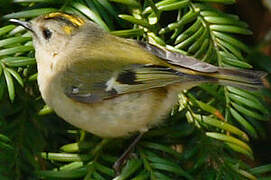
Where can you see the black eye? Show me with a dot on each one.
(47, 33)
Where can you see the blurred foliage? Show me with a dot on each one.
(208, 133)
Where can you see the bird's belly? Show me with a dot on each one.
(116, 117)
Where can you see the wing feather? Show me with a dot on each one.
(80, 87)
(179, 59)
(107, 78)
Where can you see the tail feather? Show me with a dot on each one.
(242, 78)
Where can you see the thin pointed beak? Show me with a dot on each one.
(26, 25)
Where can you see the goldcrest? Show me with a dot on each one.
(111, 86)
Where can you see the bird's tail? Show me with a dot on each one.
(242, 78)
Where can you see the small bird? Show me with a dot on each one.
(111, 86)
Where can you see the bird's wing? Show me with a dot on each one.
(93, 80)
(178, 59)
(86, 85)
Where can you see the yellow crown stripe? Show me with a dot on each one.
(68, 29)
(75, 20)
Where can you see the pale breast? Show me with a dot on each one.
(116, 117)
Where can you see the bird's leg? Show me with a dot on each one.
(117, 165)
